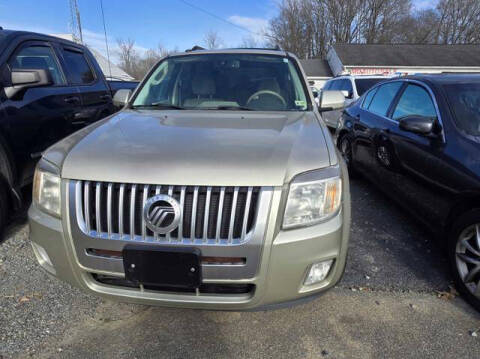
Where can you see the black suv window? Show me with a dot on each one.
(383, 98)
(415, 100)
(79, 71)
(38, 57)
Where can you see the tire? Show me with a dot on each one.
(345, 148)
(464, 256)
(3, 209)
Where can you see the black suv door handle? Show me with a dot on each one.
(105, 97)
(72, 99)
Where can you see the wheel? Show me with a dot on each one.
(3, 209)
(345, 148)
(464, 256)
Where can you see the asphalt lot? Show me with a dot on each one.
(394, 302)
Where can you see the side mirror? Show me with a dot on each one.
(331, 100)
(23, 79)
(121, 97)
(418, 124)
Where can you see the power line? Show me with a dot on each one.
(106, 40)
(222, 19)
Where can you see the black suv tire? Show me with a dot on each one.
(3, 209)
(344, 145)
(466, 220)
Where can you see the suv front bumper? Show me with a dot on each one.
(285, 260)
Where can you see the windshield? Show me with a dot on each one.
(364, 84)
(225, 81)
(465, 103)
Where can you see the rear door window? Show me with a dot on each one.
(38, 57)
(383, 98)
(79, 71)
(415, 100)
(368, 98)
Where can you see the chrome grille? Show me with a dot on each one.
(210, 215)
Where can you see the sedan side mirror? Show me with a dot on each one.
(418, 124)
(23, 79)
(121, 97)
(331, 100)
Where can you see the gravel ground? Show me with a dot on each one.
(394, 301)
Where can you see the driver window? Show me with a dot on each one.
(415, 100)
(37, 58)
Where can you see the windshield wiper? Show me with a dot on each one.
(233, 108)
(160, 105)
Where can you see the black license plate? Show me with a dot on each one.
(163, 266)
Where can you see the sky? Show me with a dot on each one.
(178, 24)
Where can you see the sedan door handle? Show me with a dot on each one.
(72, 99)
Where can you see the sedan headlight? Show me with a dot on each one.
(46, 192)
(311, 200)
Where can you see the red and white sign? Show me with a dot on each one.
(372, 71)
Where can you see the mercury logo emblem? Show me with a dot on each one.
(161, 213)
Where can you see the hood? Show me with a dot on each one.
(199, 148)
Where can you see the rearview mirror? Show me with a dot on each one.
(347, 94)
(23, 79)
(121, 97)
(331, 100)
(417, 124)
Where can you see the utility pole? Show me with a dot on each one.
(75, 24)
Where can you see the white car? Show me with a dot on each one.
(352, 87)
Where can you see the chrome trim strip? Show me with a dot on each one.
(158, 189)
(247, 211)
(232, 215)
(168, 236)
(219, 215)
(207, 213)
(145, 196)
(98, 218)
(194, 214)
(182, 204)
(109, 209)
(133, 193)
(86, 205)
(121, 201)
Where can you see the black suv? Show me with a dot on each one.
(418, 139)
(50, 87)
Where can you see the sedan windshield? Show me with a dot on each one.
(465, 102)
(225, 82)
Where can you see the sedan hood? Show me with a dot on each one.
(199, 148)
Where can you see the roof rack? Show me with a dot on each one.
(195, 48)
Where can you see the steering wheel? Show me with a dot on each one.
(269, 93)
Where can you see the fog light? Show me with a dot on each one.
(318, 272)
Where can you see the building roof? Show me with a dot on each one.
(316, 68)
(408, 55)
(109, 69)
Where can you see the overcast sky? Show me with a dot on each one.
(172, 23)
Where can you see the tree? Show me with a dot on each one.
(137, 65)
(459, 21)
(212, 40)
(128, 56)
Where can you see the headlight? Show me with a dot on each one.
(46, 192)
(311, 201)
